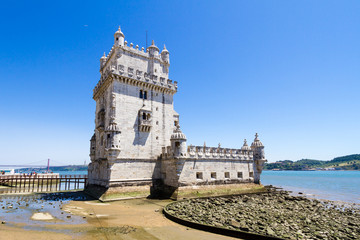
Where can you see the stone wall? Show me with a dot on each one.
(189, 171)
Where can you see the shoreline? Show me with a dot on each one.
(76, 216)
(274, 214)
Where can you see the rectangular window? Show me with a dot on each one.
(227, 175)
(240, 175)
(141, 94)
(199, 175)
(213, 175)
(251, 174)
(145, 94)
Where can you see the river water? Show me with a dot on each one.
(331, 185)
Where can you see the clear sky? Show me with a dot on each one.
(288, 70)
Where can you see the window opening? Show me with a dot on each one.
(213, 175)
(199, 175)
(240, 175)
(145, 94)
(227, 175)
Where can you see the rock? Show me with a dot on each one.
(270, 232)
(276, 214)
(3, 222)
(235, 224)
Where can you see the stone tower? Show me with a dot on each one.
(138, 148)
(135, 117)
(259, 157)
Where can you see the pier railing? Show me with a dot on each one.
(41, 183)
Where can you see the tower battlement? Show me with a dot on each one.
(127, 62)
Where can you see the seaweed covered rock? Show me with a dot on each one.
(275, 214)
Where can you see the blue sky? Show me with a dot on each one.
(288, 70)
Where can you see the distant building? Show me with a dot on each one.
(138, 142)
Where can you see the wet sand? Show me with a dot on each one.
(128, 219)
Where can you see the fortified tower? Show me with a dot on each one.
(135, 117)
(138, 146)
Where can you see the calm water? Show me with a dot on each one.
(71, 172)
(331, 185)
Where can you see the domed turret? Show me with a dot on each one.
(112, 140)
(245, 147)
(259, 157)
(92, 147)
(257, 142)
(119, 38)
(178, 142)
(153, 50)
(178, 134)
(165, 55)
(102, 61)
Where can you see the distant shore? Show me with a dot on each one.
(309, 170)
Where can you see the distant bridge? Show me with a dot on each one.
(22, 166)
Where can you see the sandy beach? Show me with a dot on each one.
(128, 219)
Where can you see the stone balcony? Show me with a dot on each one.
(145, 125)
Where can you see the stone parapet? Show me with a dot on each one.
(204, 152)
(146, 80)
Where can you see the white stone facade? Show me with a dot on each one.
(137, 135)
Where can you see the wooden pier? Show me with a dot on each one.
(41, 183)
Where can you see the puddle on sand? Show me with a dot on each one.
(20, 209)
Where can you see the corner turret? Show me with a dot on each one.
(178, 142)
(112, 141)
(92, 147)
(119, 38)
(153, 50)
(102, 61)
(165, 55)
(259, 157)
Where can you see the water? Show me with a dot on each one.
(16, 209)
(331, 185)
(71, 172)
